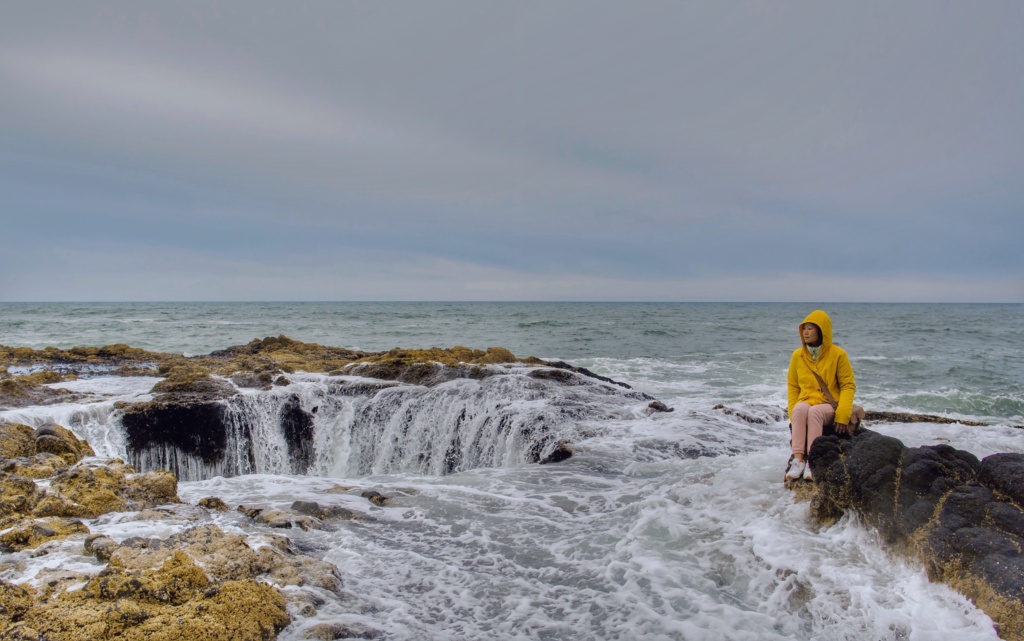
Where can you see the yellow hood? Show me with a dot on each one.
(824, 323)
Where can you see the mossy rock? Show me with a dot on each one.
(172, 602)
(152, 488)
(62, 442)
(213, 503)
(17, 440)
(15, 601)
(18, 494)
(193, 380)
(34, 533)
(93, 491)
(40, 466)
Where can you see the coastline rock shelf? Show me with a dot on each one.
(959, 516)
(200, 584)
(281, 406)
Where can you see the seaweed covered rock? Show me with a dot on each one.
(34, 533)
(18, 494)
(432, 366)
(40, 466)
(229, 557)
(54, 439)
(171, 601)
(196, 429)
(15, 601)
(16, 440)
(202, 583)
(23, 442)
(191, 382)
(33, 389)
(280, 519)
(962, 518)
(87, 491)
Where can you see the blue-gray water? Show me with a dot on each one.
(631, 538)
(963, 360)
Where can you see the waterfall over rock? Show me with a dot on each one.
(353, 426)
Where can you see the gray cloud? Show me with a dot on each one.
(528, 150)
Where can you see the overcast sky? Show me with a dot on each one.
(739, 151)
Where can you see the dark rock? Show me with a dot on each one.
(658, 406)
(961, 517)
(253, 380)
(907, 417)
(279, 519)
(297, 425)
(54, 439)
(323, 512)
(374, 497)
(1004, 472)
(213, 503)
(561, 453)
(331, 631)
(196, 429)
(100, 546)
(562, 365)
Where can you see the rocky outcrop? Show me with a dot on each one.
(197, 429)
(200, 584)
(170, 597)
(961, 517)
(19, 443)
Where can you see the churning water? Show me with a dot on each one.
(669, 526)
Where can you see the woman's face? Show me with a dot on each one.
(810, 333)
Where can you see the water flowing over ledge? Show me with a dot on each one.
(279, 406)
(353, 426)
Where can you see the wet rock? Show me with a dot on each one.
(181, 513)
(298, 427)
(100, 546)
(226, 557)
(88, 491)
(58, 440)
(374, 497)
(34, 533)
(908, 417)
(171, 601)
(331, 631)
(192, 383)
(253, 380)
(1004, 473)
(658, 406)
(323, 512)
(938, 504)
(561, 452)
(213, 503)
(280, 519)
(18, 494)
(40, 466)
(152, 489)
(197, 429)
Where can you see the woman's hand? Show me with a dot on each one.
(843, 428)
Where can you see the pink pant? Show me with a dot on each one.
(808, 422)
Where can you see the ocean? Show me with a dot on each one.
(662, 526)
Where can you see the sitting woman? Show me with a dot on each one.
(821, 389)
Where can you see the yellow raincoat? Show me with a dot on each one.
(833, 366)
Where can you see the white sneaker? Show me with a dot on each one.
(796, 469)
(807, 473)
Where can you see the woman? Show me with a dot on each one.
(810, 407)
